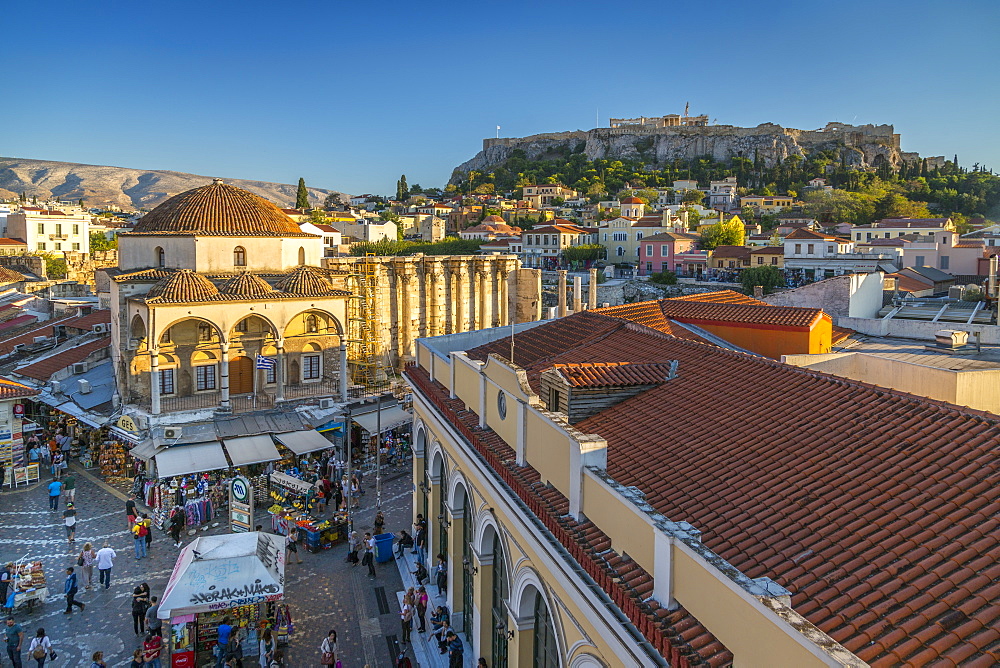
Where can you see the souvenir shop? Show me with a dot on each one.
(383, 435)
(236, 575)
(293, 503)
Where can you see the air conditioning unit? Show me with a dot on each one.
(100, 328)
(79, 367)
(56, 387)
(326, 403)
(85, 387)
(39, 339)
(141, 421)
(172, 433)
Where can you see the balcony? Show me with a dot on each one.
(243, 403)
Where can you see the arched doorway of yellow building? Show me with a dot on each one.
(240, 375)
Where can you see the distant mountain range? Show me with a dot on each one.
(127, 188)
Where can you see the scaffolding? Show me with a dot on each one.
(367, 355)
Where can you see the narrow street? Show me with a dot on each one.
(324, 592)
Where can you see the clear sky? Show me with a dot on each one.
(349, 95)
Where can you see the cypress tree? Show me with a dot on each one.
(402, 189)
(923, 168)
(302, 196)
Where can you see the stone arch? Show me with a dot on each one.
(302, 255)
(223, 338)
(439, 468)
(586, 661)
(239, 256)
(333, 324)
(266, 320)
(458, 489)
(488, 532)
(312, 347)
(528, 589)
(137, 329)
(203, 356)
(420, 440)
(159, 257)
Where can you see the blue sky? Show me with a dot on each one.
(349, 95)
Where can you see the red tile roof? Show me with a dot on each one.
(720, 297)
(694, 311)
(11, 390)
(878, 510)
(736, 252)
(604, 374)
(7, 345)
(906, 283)
(43, 369)
(18, 321)
(803, 233)
(101, 316)
(768, 250)
(12, 242)
(10, 276)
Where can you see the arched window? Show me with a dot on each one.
(499, 612)
(239, 257)
(467, 583)
(312, 323)
(620, 252)
(302, 255)
(546, 650)
(161, 258)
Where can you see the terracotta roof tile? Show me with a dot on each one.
(603, 374)
(98, 317)
(720, 297)
(741, 252)
(183, 285)
(246, 285)
(43, 369)
(11, 390)
(305, 281)
(18, 321)
(7, 344)
(8, 275)
(218, 209)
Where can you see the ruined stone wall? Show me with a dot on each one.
(431, 295)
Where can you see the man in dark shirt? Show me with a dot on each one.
(130, 511)
(70, 589)
(15, 637)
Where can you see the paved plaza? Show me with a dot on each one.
(323, 592)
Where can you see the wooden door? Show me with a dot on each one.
(241, 375)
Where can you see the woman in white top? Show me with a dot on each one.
(267, 647)
(328, 648)
(40, 647)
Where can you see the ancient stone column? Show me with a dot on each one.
(343, 369)
(431, 302)
(562, 293)
(592, 289)
(503, 296)
(459, 296)
(577, 294)
(405, 283)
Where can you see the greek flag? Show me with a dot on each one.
(265, 362)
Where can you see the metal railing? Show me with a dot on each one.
(193, 402)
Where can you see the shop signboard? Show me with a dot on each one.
(19, 410)
(290, 483)
(20, 476)
(240, 505)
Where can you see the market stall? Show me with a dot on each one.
(237, 575)
(30, 586)
(292, 506)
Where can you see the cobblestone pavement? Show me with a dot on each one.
(323, 592)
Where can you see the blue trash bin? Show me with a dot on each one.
(383, 547)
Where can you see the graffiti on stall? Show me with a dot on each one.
(214, 594)
(239, 602)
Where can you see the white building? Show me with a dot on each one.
(817, 255)
(50, 230)
(722, 194)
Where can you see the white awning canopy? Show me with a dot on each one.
(390, 418)
(301, 442)
(251, 450)
(187, 459)
(225, 571)
(146, 450)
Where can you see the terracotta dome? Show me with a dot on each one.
(246, 285)
(632, 200)
(494, 219)
(305, 281)
(218, 209)
(183, 285)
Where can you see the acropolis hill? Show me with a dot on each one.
(863, 146)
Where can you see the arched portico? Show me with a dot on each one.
(537, 636)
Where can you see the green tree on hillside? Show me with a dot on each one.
(302, 196)
(402, 191)
(727, 233)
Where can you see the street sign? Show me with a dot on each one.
(19, 410)
(240, 505)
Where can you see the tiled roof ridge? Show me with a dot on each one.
(619, 577)
(42, 369)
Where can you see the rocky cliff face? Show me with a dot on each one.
(120, 186)
(864, 146)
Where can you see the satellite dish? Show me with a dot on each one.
(971, 286)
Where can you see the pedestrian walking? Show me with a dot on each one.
(41, 648)
(353, 543)
(406, 617)
(140, 603)
(441, 575)
(69, 487)
(268, 645)
(14, 635)
(153, 622)
(456, 650)
(291, 542)
(57, 462)
(328, 649)
(105, 561)
(422, 602)
(223, 631)
(98, 660)
(148, 524)
(70, 589)
(176, 525)
(379, 523)
(55, 489)
(86, 561)
(6, 587)
(130, 511)
(152, 647)
(139, 539)
(3, 477)
(69, 518)
(369, 558)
